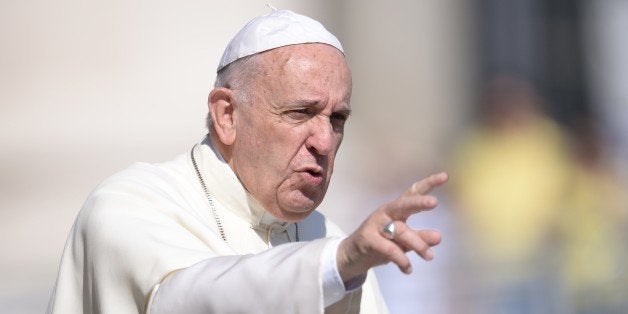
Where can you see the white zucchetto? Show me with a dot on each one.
(273, 30)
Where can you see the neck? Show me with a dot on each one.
(224, 150)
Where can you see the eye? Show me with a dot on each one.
(338, 120)
(299, 114)
(340, 117)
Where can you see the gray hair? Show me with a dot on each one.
(238, 76)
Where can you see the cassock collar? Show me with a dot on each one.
(223, 184)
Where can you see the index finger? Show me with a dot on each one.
(426, 185)
(407, 205)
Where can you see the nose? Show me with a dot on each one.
(321, 137)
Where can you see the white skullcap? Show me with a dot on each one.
(273, 30)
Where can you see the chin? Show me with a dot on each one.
(298, 209)
(297, 202)
(295, 216)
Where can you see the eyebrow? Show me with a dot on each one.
(314, 103)
(306, 102)
(344, 111)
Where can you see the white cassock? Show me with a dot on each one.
(146, 238)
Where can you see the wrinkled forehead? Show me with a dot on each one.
(315, 72)
(305, 58)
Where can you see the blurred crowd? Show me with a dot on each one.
(540, 215)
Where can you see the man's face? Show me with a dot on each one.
(286, 141)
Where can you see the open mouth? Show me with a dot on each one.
(314, 173)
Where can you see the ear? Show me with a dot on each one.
(221, 107)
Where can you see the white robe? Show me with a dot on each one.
(150, 220)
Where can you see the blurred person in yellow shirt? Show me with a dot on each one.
(510, 179)
(593, 228)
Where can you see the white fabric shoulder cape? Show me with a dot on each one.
(151, 220)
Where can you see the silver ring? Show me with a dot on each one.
(389, 230)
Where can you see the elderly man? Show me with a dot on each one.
(231, 226)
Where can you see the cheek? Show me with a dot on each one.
(277, 152)
(291, 142)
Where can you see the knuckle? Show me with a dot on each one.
(389, 251)
(418, 202)
(421, 246)
(400, 231)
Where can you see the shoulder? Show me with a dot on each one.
(146, 193)
(137, 226)
(147, 182)
(141, 176)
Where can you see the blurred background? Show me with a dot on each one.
(523, 102)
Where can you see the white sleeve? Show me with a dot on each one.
(283, 279)
(334, 289)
